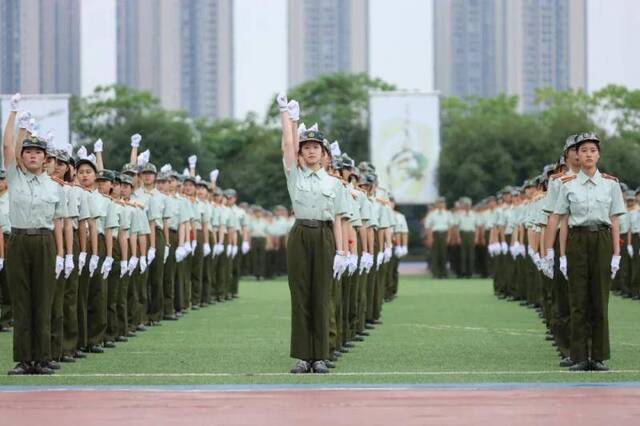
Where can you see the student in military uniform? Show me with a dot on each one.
(593, 203)
(127, 241)
(622, 280)
(36, 248)
(467, 224)
(5, 298)
(437, 225)
(401, 244)
(315, 242)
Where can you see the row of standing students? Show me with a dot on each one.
(343, 247)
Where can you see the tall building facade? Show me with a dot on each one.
(180, 50)
(40, 46)
(327, 36)
(488, 47)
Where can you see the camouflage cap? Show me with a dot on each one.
(571, 141)
(130, 168)
(62, 155)
(311, 136)
(587, 137)
(126, 179)
(149, 168)
(162, 177)
(34, 142)
(218, 191)
(230, 193)
(107, 175)
(87, 161)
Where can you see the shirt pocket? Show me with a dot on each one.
(48, 204)
(603, 204)
(328, 201)
(578, 204)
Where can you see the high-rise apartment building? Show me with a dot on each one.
(327, 36)
(180, 50)
(40, 46)
(487, 47)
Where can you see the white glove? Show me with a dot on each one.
(494, 249)
(133, 263)
(563, 266)
(123, 268)
(33, 127)
(106, 267)
(630, 250)
(135, 140)
(218, 249)
(213, 176)
(245, 247)
(363, 262)
(151, 254)
(234, 250)
(537, 261)
(15, 101)
(68, 265)
(23, 120)
(229, 250)
(293, 107)
(59, 266)
(530, 251)
(82, 258)
(504, 248)
(615, 266)
(194, 245)
(143, 264)
(515, 249)
(93, 264)
(166, 168)
(1, 263)
(387, 254)
(166, 254)
(144, 158)
(281, 99)
(380, 259)
(180, 254)
(97, 146)
(397, 251)
(353, 264)
(193, 160)
(549, 262)
(339, 265)
(206, 249)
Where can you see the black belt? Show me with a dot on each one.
(312, 223)
(31, 231)
(590, 228)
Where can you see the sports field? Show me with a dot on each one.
(452, 331)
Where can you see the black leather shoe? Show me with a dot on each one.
(141, 327)
(67, 359)
(301, 367)
(95, 349)
(121, 339)
(52, 365)
(566, 362)
(170, 318)
(195, 307)
(109, 344)
(329, 364)
(369, 326)
(580, 366)
(337, 354)
(598, 366)
(156, 324)
(319, 367)
(42, 368)
(343, 350)
(364, 333)
(79, 355)
(376, 322)
(348, 345)
(131, 334)
(4, 329)
(358, 338)
(21, 369)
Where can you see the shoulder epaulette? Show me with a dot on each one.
(557, 175)
(566, 179)
(606, 176)
(58, 180)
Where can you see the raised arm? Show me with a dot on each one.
(135, 143)
(8, 148)
(97, 150)
(289, 156)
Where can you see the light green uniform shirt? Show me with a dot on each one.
(314, 195)
(467, 221)
(590, 200)
(401, 224)
(635, 221)
(34, 201)
(4, 213)
(438, 220)
(625, 223)
(259, 228)
(173, 212)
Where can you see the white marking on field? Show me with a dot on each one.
(508, 331)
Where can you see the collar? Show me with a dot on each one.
(30, 177)
(320, 173)
(583, 178)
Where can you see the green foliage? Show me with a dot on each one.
(338, 103)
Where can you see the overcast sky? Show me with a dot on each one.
(400, 46)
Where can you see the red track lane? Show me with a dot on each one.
(579, 406)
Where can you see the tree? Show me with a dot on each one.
(339, 104)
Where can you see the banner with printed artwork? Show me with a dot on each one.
(404, 138)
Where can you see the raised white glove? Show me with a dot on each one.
(504, 247)
(339, 264)
(144, 158)
(93, 264)
(245, 247)
(97, 146)
(630, 250)
(380, 259)
(68, 265)
(180, 254)
(294, 110)
(135, 140)
(106, 267)
(281, 99)
(193, 160)
(123, 268)
(615, 266)
(213, 176)
(563, 266)
(206, 249)
(166, 253)
(151, 254)
(166, 168)
(82, 258)
(33, 127)
(143, 264)
(59, 266)
(133, 263)
(1, 263)
(15, 102)
(23, 120)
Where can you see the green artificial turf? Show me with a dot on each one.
(452, 331)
